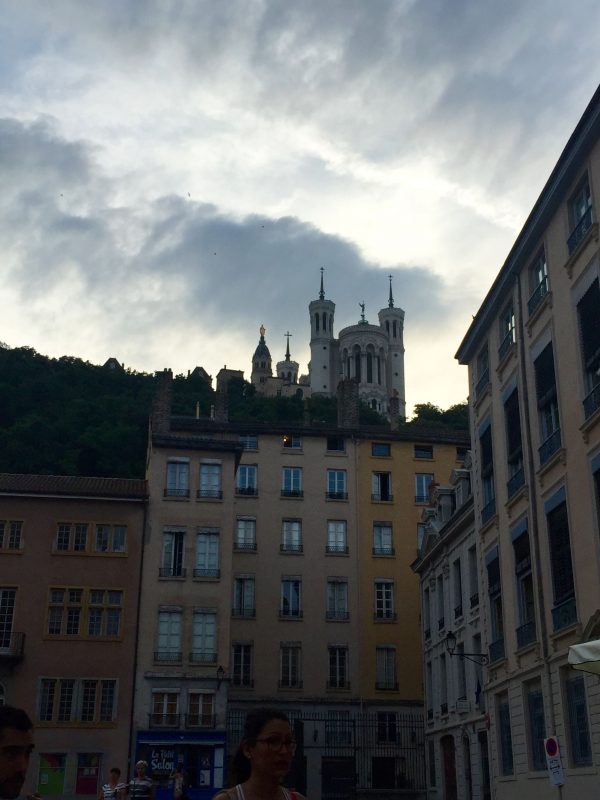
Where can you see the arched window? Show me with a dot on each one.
(374, 404)
(378, 369)
(394, 329)
(369, 368)
(324, 322)
(348, 367)
(387, 325)
(317, 322)
(357, 374)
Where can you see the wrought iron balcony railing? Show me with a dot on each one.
(526, 634)
(564, 614)
(592, 402)
(515, 482)
(540, 291)
(497, 650)
(579, 231)
(550, 446)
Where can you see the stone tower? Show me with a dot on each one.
(391, 321)
(261, 361)
(324, 371)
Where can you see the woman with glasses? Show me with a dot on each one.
(263, 759)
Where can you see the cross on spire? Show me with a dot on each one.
(322, 291)
(391, 300)
(287, 334)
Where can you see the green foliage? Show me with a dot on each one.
(456, 417)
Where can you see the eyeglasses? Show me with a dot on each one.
(276, 743)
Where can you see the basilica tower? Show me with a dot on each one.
(391, 320)
(261, 361)
(324, 369)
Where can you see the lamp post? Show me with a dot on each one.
(477, 658)
(220, 676)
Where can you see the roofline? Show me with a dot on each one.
(578, 145)
(36, 493)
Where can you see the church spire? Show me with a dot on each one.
(322, 291)
(391, 300)
(287, 349)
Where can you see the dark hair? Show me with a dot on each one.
(255, 722)
(115, 769)
(11, 717)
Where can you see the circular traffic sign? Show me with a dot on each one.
(551, 746)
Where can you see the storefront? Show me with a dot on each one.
(201, 756)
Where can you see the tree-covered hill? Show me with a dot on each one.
(66, 416)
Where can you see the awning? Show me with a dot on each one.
(586, 656)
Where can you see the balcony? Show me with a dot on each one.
(163, 720)
(202, 572)
(506, 344)
(579, 231)
(247, 491)
(458, 611)
(336, 495)
(290, 547)
(383, 551)
(243, 611)
(12, 649)
(167, 656)
(382, 497)
(209, 494)
(550, 446)
(389, 686)
(462, 705)
(200, 721)
(340, 683)
(488, 511)
(497, 650)
(482, 383)
(384, 616)
(538, 295)
(515, 482)
(474, 600)
(290, 613)
(171, 572)
(244, 546)
(421, 498)
(292, 493)
(564, 614)
(337, 548)
(202, 657)
(526, 634)
(171, 491)
(592, 402)
(337, 615)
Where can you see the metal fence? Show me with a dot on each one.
(379, 754)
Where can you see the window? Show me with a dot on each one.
(11, 535)
(291, 598)
(458, 591)
(487, 475)
(172, 554)
(421, 530)
(588, 312)
(89, 613)
(381, 486)
(387, 726)
(289, 665)
(507, 331)
(564, 612)
(536, 725)
(473, 577)
(514, 448)
(201, 710)
(245, 534)
(336, 484)
(336, 536)
(337, 599)
(336, 444)
(429, 689)
(71, 537)
(538, 282)
(165, 708)
(338, 667)
(210, 481)
(423, 451)
(578, 726)
(291, 536)
(178, 478)
(422, 481)
(443, 685)
(545, 384)
(207, 553)
(504, 736)
(291, 482)
(580, 215)
(441, 602)
(243, 596)
(461, 453)
(383, 544)
(110, 539)
(384, 600)
(431, 762)
(381, 449)
(204, 637)
(169, 637)
(247, 477)
(292, 442)
(482, 375)
(495, 603)
(385, 667)
(249, 441)
(242, 665)
(426, 614)
(526, 633)
(81, 700)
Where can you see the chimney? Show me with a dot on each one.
(394, 409)
(347, 404)
(163, 398)
(221, 406)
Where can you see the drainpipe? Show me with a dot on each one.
(541, 604)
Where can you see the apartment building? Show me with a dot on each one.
(70, 562)
(533, 353)
(447, 564)
(314, 606)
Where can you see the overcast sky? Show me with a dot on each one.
(174, 174)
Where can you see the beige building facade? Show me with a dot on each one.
(533, 352)
(70, 561)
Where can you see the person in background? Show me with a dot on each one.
(178, 779)
(141, 787)
(263, 759)
(113, 789)
(16, 746)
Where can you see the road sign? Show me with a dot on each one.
(553, 762)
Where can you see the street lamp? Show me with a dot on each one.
(220, 676)
(477, 658)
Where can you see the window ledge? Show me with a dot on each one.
(545, 303)
(574, 631)
(573, 258)
(559, 457)
(520, 494)
(489, 523)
